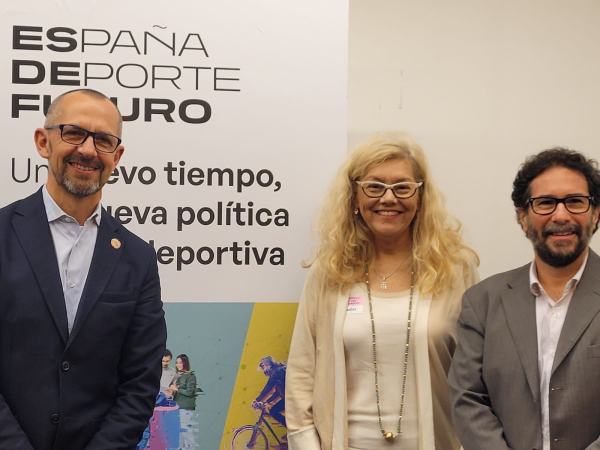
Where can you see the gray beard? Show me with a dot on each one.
(73, 187)
(79, 190)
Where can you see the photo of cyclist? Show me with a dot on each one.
(269, 429)
(275, 387)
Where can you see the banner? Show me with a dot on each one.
(234, 123)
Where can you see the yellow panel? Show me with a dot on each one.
(269, 334)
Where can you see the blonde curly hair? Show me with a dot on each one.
(347, 243)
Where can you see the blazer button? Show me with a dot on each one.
(54, 418)
(65, 366)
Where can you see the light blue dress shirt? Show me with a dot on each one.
(74, 246)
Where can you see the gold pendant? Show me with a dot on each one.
(383, 285)
(389, 436)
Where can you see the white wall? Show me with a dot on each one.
(481, 85)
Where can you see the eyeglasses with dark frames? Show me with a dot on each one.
(575, 204)
(72, 134)
(402, 190)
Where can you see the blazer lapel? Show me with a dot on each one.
(584, 306)
(519, 306)
(102, 266)
(33, 232)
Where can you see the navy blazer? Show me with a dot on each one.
(95, 388)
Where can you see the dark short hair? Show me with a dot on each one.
(535, 165)
(168, 353)
(185, 360)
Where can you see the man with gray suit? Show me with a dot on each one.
(526, 372)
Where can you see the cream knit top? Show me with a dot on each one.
(390, 311)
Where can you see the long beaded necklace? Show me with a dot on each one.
(388, 435)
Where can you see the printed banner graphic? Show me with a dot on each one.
(237, 357)
(234, 121)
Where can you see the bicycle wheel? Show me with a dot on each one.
(243, 435)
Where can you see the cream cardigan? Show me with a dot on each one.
(315, 399)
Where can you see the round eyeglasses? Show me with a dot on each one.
(402, 190)
(72, 134)
(576, 204)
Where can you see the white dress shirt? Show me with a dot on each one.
(74, 247)
(550, 317)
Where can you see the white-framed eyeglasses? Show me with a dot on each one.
(402, 190)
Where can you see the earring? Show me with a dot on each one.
(356, 211)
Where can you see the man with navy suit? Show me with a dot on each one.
(82, 328)
(526, 372)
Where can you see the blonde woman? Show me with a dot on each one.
(376, 325)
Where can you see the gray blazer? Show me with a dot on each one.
(494, 379)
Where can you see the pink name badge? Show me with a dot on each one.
(355, 305)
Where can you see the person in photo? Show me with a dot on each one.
(376, 324)
(168, 372)
(274, 390)
(525, 372)
(184, 391)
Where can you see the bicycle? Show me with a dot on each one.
(252, 437)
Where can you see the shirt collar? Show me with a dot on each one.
(536, 286)
(54, 212)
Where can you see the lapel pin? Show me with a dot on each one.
(115, 243)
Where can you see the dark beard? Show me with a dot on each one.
(551, 257)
